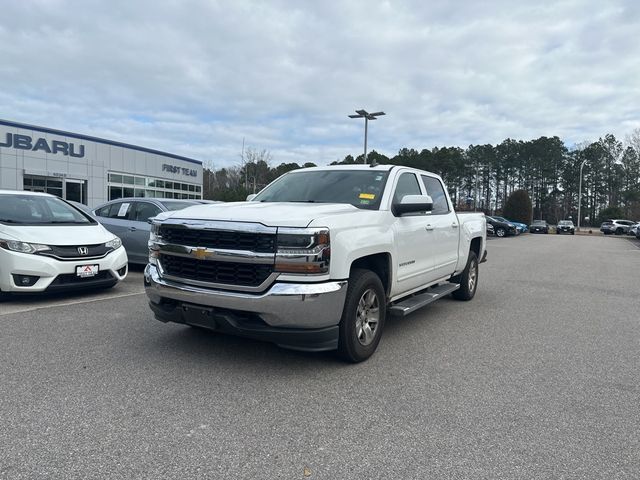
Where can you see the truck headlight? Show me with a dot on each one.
(154, 238)
(303, 250)
(114, 243)
(23, 247)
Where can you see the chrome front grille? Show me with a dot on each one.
(228, 273)
(218, 238)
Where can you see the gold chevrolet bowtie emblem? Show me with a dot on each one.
(200, 253)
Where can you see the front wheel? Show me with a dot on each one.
(468, 279)
(500, 232)
(619, 231)
(363, 317)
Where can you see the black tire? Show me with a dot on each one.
(619, 231)
(4, 296)
(365, 291)
(501, 232)
(467, 279)
(573, 233)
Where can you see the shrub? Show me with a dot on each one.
(518, 207)
(609, 212)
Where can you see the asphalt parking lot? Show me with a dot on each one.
(537, 377)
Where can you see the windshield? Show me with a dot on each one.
(565, 222)
(539, 222)
(171, 206)
(360, 188)
(17, 209)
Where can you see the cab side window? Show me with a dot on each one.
(407, 185)
(436, 192)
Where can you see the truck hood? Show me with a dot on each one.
(271, 214)
(58, 235)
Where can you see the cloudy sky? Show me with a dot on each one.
(196, 77)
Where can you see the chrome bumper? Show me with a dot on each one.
(284, 305)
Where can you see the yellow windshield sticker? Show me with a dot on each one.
(367, 196)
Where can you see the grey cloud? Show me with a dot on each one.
(195, 78)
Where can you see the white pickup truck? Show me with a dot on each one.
(316, 260)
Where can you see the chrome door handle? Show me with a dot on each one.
(454, 225)
(429, 227)
(132, 229)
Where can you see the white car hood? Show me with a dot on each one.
(57, 234)
(272, 214)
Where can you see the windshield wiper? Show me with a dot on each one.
(8, 220)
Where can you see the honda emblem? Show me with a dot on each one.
(83, 250)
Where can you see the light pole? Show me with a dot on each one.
(367, 116)
(580, 193)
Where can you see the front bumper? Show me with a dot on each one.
(296, 315)
(54, 275)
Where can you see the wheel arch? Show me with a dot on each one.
(380, 264)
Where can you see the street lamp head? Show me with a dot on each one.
(364, 114)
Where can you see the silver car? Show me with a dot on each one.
(128, 218)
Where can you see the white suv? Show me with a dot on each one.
(48, 245)
(617, 227)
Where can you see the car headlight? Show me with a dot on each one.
(303, 250)
(114, 243)
(23, 247)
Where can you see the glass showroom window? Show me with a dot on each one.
(127, 185)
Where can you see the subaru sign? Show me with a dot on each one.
(25, 142)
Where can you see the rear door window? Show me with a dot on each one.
(143, 211)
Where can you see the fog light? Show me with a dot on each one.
(25, 280)
(122, 271)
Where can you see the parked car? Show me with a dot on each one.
(566, 226)
(617, 227)
(522, 227)
(539, 226)
(129, 219)
(501, 228)
(317, 259)
(47, 245)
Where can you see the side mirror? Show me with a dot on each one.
(412, 204)
(251, 197)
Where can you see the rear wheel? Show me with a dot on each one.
(619, 231)
(468, 279)
(500, 232)
(363, 316)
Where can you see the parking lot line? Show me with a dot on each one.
(31, 308)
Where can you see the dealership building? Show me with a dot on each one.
(91, 170)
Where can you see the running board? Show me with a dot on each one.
(411, 304)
